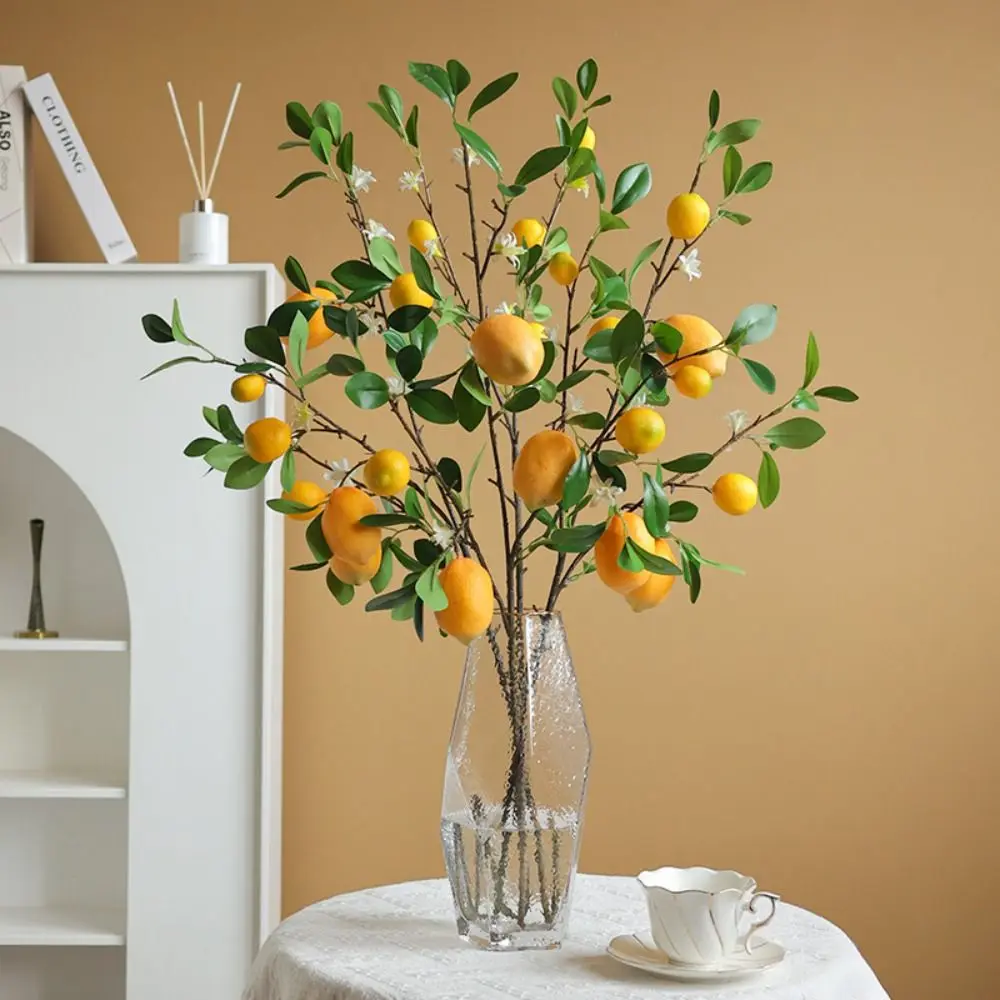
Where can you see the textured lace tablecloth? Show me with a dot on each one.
(399, 943)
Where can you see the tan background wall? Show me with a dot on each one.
(828, 723)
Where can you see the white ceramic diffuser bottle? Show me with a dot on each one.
(204, 233)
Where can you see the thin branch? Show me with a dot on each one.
(472, 227)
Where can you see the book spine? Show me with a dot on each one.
(79, 170)
(15, 192)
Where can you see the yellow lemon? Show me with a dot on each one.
(687, 216)
(542, 466)
(387, 472)
(734, 493)
(507, 349)
(589, 140)
(319, 332)
(698, 335)
(563, 269)
(692, 381)
(247, 388)
(267, 439)
(656, 588)
(346, 537)
(640, 430)
(604, 323)
(470, 599)
(357, 573)
(609, 547)
(529, 232)
(305, 492)
(404, 291)
(420, 232)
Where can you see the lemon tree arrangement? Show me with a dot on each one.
(567, 381)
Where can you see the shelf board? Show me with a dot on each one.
(57, 785)
(61, 927)
(11, 645)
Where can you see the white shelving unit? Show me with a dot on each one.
(140, 751)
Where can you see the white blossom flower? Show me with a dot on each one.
(396, 386)
(339, 472)
(442, 537)
(606, 494)
(690, 264)
(504, 309)
(737, 420)
(432, 248)
(582, 185)
(639, 399)
(574, 403)
(552, 333)
(301, 417)
(373, 323)
(361, 180)
(458, 155)
(410, 180)
(507, 246)
(375, 229)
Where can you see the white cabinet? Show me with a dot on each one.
(140, 751)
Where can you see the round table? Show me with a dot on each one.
(399, 942)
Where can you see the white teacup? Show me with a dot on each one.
(701, 916)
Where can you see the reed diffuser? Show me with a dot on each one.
(204, 233)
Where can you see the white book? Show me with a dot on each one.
(15, 193)
(88, 188)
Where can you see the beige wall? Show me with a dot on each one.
(827, 723)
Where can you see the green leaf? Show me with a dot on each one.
(435, 79)
(609, 473)
(756, 177)
(245, 473)
(409, 361)
(342, 592)
(577, 482)
(345, 154)
(411, 503)
(313, 375)
(389, 520)
(644, 255)
(609, 222)
(523, 399)
(586, 77)
(387, 116)
(228, 425)
(296, 275)
(384, 258)
(598, 347)
(359, 274)
(222, 456)
(797, 433)
(211, 418)
(426, 551)
(610, 457)
(732, 167)
(177, 328)
(298, 337)
(575, 378)
(390, 599)
(581, 164)
(288, 470)
(433, 405)
(367, 390)
(692, 575)
(738, 217)
(768, 480)
(469, 408)
(328, 115)
(493, 91)
(655, 507)
(733, 134)
(316, 540)
(173, 363)
(657, 564)
(668, 338)
(548, 358)
(411, 127)
(298, 119)
(579, 538)
(293, 144)
(309, 175)
(422, 273)
(381, 579)
(754, 324)
(291, 507)
(713, 109)
(805, 400)
(721, 565)
(418, 618)
(629, 558)
(392, 102)
(682, 511)
(694, 462)
(761, 375)
(565, 95)
(200, 446)
(599, 103)
(812, 361)
(253, 368)
(451, 472)
(306, 567)
(473, 382)
(458, 76)
(633, 184)
(541, 163)
(481, 146)
(344, 364)
(627, 336)
(592, 421)
(321, 144)
(430, 591)
(157, 329)
(406, 318)
(546, 389)
(511, 191)
(837, 392)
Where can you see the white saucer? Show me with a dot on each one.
(631, 950)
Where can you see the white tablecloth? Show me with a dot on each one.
(399, 943)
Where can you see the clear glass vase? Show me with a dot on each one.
(514, 788)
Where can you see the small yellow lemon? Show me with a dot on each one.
(357, 573)
(692, 381)
(589, 140)
(640, 430)
(404, 291)
(248, 388)
(387, 472)
(609, 547)
(319, 332)
(563, 269)
(507, 349)
(687, 216)
(420, 232)
(529, 232)
(346, 537)
(734, 493)
(307, 493)
(542, 466)
(698, 335)
(656, 588)
(604, 323)
(267, 439)
(470, 599)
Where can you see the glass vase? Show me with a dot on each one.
(515, 783)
